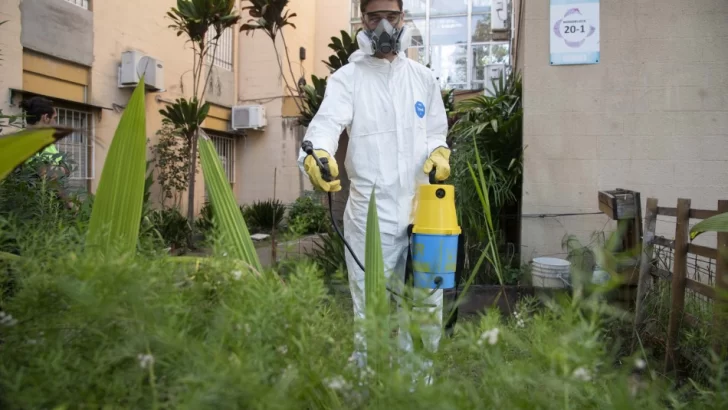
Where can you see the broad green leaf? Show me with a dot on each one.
(16, 148)
(229, 220)
(375, 290)
(119, 198)
(718, 223)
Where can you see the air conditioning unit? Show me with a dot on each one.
(499, 16)
(134, 64)
(246, 117)
(494, 73)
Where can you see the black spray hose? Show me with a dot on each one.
(323, 165)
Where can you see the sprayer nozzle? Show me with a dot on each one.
(307, 147)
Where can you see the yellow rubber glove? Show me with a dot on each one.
(440, 159)
(314, 173)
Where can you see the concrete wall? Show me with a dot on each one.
(59, 29)
(221, 87)
(11, 52)
(652, 116)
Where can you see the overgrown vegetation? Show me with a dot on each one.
(494, 123)
(172, 157)
(202, 23)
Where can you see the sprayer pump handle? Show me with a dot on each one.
(322, 163)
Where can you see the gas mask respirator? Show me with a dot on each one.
(385, 38)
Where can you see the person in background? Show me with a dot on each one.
(39, 112)
(393, 109)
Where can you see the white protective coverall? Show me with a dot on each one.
(395, 118)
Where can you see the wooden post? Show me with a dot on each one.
(720, 304)
(273, 244)
(679, 272)
(648, 247)
(638, 221)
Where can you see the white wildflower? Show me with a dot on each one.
(491, 335)
(520, 323)
(640, 364)
(145, 360)
(582, 374)
(335, 383)
(282, 349)
(237, 274)
(6, 319)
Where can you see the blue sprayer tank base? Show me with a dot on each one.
(434, 256)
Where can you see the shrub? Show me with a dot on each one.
(329, 252)
(265, 215)
(309, 215)
(172, 226)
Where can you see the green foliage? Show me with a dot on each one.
(718, 223)
(495, 124)
(117, 210)
(266, 215)
(185, 116)
(343, 48)
(165, 332)
(308, 214)
(313, 96)
(18, 147)
(29, 194)
(196, 17)
(233, 233)
(329, 253)
(172, 157)
(172, 226)
(269, 16)
(205, 223)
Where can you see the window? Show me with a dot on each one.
(225, 147)
(223, 56)
(453, 37)
(80, 3)
(79, 146)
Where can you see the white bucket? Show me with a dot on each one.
(551, 273)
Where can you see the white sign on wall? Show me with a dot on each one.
(574, 32)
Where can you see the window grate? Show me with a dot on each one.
(223, 56)
(78, 146)
(225, 147)
(80, 3)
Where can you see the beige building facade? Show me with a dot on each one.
(71, 51)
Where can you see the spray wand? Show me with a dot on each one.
(323, 164)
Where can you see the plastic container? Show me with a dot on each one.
(433, 257)
(550, 273)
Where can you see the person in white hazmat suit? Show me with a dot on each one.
(396, 120)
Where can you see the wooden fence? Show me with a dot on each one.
(680, 283)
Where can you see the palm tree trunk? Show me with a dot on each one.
(193, 173)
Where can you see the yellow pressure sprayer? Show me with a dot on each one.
(435, 237)
(435, 257)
